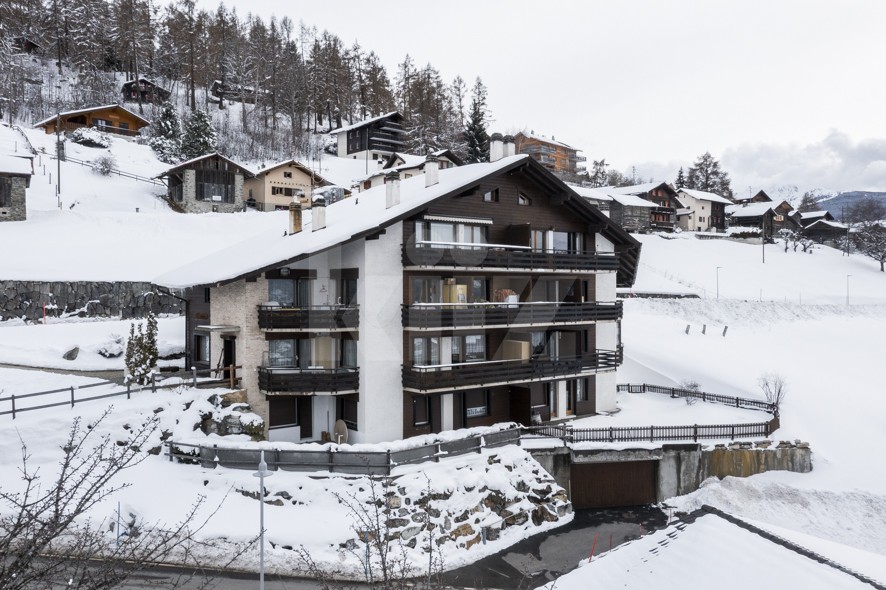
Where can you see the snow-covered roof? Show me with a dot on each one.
(705, 196)
(636, 189)
(595, 194)
(187, 163)
(15, 165)
(813, 214)
(696, 554)
(549, 140)
(90, 110)
(362, 123)
(750, 210)
(826, 223)
(345, 220)
(632, 200)
(289, 162)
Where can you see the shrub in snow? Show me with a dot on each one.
(141, 351)
(112, 349)
(692, 386)
(90, 137)
(774, 388)
(104, 165)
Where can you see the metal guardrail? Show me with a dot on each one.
(114, 171)
(501, 256)
(691, 432)
(316, 317)
(455, 315)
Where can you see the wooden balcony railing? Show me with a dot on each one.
(302, 381)
(463, 315)
(314, 318)
(426, 378)
(499, 256)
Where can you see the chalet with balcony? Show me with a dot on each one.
(276, 186)
(208, 184)
(145, 90)
(111, 118)
(704, 211)
(373, 139)
(456, 298)
(663, 215)
(554, 155)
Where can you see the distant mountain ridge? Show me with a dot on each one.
(837, 204)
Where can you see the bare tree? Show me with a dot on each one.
(774, 388)
(47, 533)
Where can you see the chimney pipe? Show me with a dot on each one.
(318, 214)
(510, 148)
(432, 170)
(496, 147)
(392, 189)
(294, 217)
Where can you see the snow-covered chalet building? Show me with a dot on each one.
(456, 298)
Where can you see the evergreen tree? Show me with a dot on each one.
(166, 134)
(476, 136)
(200, 137)
(706, 175)
(681, 179)
(141, 351)
(809, 202)
(598, 175)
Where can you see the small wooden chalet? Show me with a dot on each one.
(664, 215)
(631, 212)
(372, 139)
(760, 197)
(149, 91)
(278, 185)
(826, 231)
(235, 92)
(807, 218)
(25, 44)
(111, 118)
(210, 183)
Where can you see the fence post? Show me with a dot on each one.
(232, 376)
(331, 466)
(733, 432)
(169, 447)
(194, 371)
(652, 434)
(611, 437)
(437, 453)
(72, 395)
(390, 464)
(13, 405)
(153, 382)
(695, 433)
(480, 444)
(128, 386)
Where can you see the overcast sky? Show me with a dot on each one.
(781, 91)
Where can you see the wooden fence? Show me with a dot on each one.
(691, 432)
(737, 402)
(226, 375)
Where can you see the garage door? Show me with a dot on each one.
(607, 485)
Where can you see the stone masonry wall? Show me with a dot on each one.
(17, 210)
(25, 300)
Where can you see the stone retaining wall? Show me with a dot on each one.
(25, 300)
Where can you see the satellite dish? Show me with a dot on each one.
(340, 432)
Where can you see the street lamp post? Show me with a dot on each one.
(261, 474)
(847, 289)
(718, 281)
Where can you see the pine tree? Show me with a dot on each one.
(200, 137)
(141, 351)
(166, 134)
(476, 136)
(809, 202)
(681, 179)
(706, 175)
(598, 176)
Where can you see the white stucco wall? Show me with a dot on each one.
(606, 391)
(607, 335)
(605, 286)
(380, 351)
(601, 244)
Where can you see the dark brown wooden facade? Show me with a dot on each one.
(109, 119)
(384, 134)
(146, 90)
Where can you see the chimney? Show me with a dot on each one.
(294, 217)
(432, 170)
(318, 214)
(510, 148)
(496, 147)
(392, 189)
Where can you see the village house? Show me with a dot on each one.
(663, 216)
(210, 183)
(826, 231)
(276, 186)
(554, 155)
(16, 169)
(704, 211)
(149, 91)
(408, 165)
(111, 118)
(770, 215)
(456, 298)
(373, 139)
(759, 197)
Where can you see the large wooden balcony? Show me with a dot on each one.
(434, 378)
(331, 318)
(437, 316)
(502, 257)
(291, 380)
